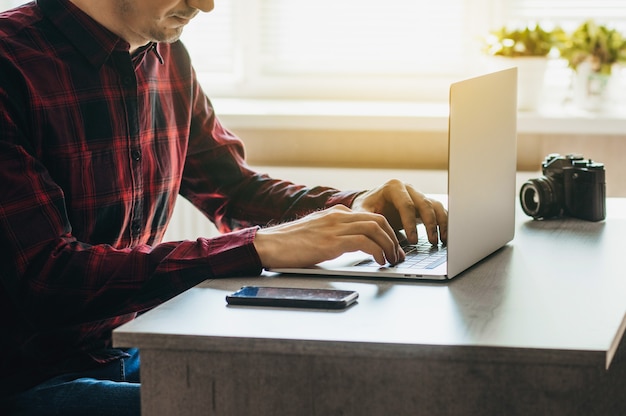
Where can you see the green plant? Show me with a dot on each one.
(600, 46)
(532, 40)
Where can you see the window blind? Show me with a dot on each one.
(210, 39)
(356, 37)
(361, 36)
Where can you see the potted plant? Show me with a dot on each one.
(528, 48)
(595, 44)
(532, 40)
(592, 50)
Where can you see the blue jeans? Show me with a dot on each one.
(111, 390)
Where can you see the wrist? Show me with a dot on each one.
(263, 246)
(357, 201)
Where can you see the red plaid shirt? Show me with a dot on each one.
(95, 145)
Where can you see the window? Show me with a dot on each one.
(333, 48)
(398, 49)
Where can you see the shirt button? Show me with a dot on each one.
(136, 155)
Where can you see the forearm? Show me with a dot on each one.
(218, 181)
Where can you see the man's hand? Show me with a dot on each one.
(403, 206)
(326, 234)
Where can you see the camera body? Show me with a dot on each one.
(571, 186)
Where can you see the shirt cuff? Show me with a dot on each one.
(343, 198)
(233, 254)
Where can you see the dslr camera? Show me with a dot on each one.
(571, 186)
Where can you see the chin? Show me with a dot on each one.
(168, 36)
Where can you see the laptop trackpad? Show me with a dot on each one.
(349, 260)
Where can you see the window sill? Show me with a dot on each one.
(401, 116)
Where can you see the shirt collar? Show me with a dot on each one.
(85, 33)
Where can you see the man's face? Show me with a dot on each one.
(157, 20)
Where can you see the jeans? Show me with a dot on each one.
(111, 390)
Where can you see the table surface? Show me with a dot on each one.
(556, 292)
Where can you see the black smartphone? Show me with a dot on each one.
(293, 297)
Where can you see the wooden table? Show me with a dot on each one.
(535, 328)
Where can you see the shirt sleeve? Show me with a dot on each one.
(219, 182)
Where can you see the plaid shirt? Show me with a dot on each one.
(95, 144)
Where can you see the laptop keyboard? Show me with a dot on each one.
(422, 255)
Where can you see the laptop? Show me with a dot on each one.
(482, 143)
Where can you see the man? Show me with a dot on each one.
(102, 124)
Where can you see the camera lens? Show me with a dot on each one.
(541, 198)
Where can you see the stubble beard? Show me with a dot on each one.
(154, 33)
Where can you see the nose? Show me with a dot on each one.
(203, 5)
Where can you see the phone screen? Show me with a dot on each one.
(292, 297)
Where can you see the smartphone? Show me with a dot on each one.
(293, 297)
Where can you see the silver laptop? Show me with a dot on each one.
(482, 142)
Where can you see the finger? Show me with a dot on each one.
(442, 221)
(366, 245)
(371, 225)
(404, 204)
(376, 229)
(431, 213)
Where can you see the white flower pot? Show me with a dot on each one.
(591, 89)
